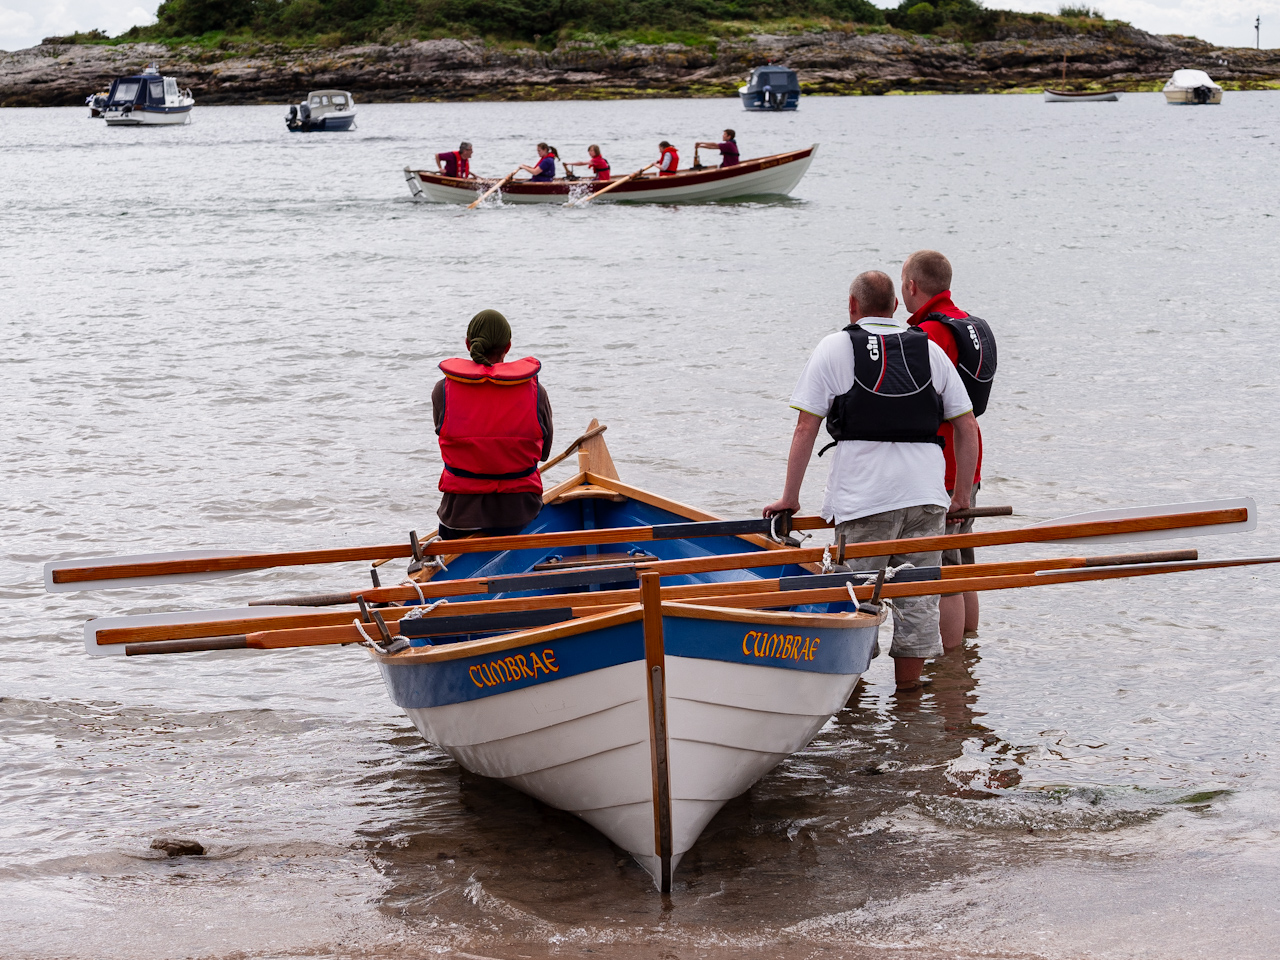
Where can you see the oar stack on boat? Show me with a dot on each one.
(627, 658)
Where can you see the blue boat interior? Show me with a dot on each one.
(599, 513)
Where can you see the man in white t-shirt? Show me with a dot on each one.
(885, 489)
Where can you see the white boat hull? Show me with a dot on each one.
(1065, 96)
(1188, 96)
(167, 117)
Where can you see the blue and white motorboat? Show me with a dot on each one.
(771, 87)
(322, 110)
(144, 100)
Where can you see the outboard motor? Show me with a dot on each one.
(1202, 94)
(304, 112)
(292, 118)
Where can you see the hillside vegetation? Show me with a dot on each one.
(546, 23)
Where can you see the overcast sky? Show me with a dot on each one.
(24, 23)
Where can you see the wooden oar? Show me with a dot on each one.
(492, 190)
(553, 580)
(145, 629)
(455, 624)
(593, 432)
(66, 575)
(583, 201)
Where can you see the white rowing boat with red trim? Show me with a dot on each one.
(775, 175)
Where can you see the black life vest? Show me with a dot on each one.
(976, 348)
(892, 399)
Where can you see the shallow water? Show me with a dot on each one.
(225, 335)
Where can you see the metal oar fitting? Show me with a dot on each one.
(872, 606)
(417, 563)
(389, 643)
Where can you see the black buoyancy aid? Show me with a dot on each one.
(893, 398)
(976, 349)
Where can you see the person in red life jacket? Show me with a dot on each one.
(545, 168)
(669, 161)
(598, 165)
(970, 346)
(493, 421)
(728, 148)
(456, 163)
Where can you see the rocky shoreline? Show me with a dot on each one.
(832, 62)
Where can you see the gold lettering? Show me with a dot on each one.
(513, 667)
(756, 647)
(524, 667)
(745, 637)
(804, 650)
(473, 671)
(813, 647)
(537, 664)
(549, 658)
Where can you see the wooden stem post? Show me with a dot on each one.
(655, 669)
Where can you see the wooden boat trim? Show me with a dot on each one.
(782, 618)
(474, 648)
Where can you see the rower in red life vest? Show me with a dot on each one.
(456, 163)
(545, 169)
(493, 420)
(669, 162)
(597, 164)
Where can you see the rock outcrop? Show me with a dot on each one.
(829, 62)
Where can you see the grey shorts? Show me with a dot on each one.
(915, 619)
(953, 558)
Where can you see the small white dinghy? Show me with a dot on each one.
(1193, 87)
(1081, 96)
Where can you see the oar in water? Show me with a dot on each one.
(107, 635)
(582, 201)
(455, 623)
(492, 190)
(1193, 519)
(1173, 524)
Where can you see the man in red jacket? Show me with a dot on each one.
(926, 292)
(493, 420)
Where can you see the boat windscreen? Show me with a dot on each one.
(339, 100)
(155, 92)
(126, 91)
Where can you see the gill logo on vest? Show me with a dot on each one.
(973, 335)
(873, 347)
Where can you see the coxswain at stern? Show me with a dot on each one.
(493, 421)
(456, 163)
(728, 148)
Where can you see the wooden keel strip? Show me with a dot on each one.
(267, 623)
(659, 746)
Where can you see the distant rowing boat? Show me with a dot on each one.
(775, 175)
(1078, 96)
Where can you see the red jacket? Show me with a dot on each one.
(941, 334)
(675, 162)
(490, 438)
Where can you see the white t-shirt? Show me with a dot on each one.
(868, 476)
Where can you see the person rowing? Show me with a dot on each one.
(545, 169)
(456, 163)
(493, 421)
(728, 148)
(598, 165)
(669, 161)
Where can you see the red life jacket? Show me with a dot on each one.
(675, 162)
(490, 437)
(464, 165)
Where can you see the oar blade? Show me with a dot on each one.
(1167, 509)
(96, 649)
(51, 586)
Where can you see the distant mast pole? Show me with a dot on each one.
(1257, 31)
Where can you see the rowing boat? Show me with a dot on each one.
(644, 724)
(1080, 96)
(775, 175)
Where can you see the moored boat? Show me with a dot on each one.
(774, 175)
(1191, 87)
(145, 100)
(322, 110)
(771, 87)
(1080, 96)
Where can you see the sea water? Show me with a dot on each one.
(225, 335)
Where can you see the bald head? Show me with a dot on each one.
(871, 295)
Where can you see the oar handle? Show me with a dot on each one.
(593, 432)
(973, 513)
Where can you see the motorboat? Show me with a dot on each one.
(1191, 86)
(97, 102)
(775, 175)
(1080, 96)
(771, 87)
(145, 100)
(323, 110)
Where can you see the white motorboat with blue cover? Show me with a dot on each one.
(145, 100)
